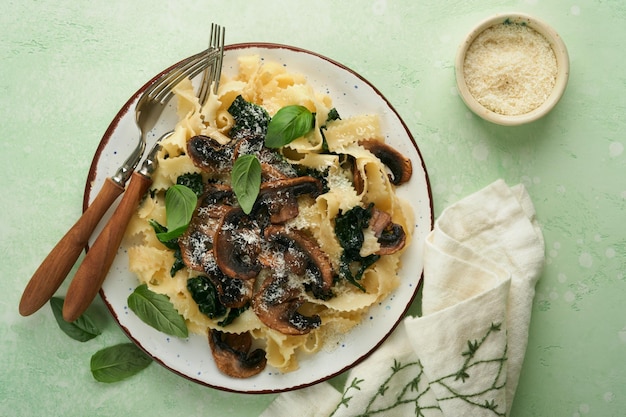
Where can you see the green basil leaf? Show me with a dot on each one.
(180, 203)
(162, 235)
(157, 311)
(246, 181)
(81, 329)
(288, 123)
(115, 363)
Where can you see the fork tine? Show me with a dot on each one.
(206, 77)
(220, 59)
(212, 73)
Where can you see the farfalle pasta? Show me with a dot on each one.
(345, 153)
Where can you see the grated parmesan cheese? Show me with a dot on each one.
(510, 68)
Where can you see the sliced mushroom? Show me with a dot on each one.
(270, 173)
(357, 178)
(232, 292)
(237, 244)
(309, 260)
(232, 355)
(276, 304)
(399, 165)
(247, 143)
(197, 241)
(391, 236)
(280, 197)
(209, 155)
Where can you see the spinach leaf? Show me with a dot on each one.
(193, 181)
(204, 293)
(333, 115)
(180, 203)
(157, 311)
(349, 228)
(115, 363)
(178, 261)
(233, 313)
(288, 124)
(349, 231)
(81, 329)
(250, 119)
(246, 181)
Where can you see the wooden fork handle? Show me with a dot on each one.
(55, 267)
(94, 268)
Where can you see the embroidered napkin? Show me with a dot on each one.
(463, 356)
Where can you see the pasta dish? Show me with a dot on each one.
(319, 244)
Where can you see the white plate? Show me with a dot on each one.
(191, 357)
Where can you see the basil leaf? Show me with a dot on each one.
(157, 311)
(81, 329)
(288, 123)
(161, 232)
(246, 181)
(115, 363)
(180, 203)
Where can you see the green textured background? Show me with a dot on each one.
(66, 67)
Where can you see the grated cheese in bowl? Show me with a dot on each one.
(512, 69)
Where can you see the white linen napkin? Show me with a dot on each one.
(463, 356)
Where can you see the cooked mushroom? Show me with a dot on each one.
(232, 292)
(270, 172)
(247, 143)
(209, 155)
(310, 261)
(357, 178)
(197, 241)
(276, 304)
(280, 197)
(399, 165)
(232, 355)
(391, 236)
(236, 245)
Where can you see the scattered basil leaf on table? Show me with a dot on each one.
(118, 362)
(180, 203)
(81, 329)
(288, 124)
(246, 181)
(157, 311)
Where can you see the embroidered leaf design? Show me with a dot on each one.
(408, 396)
(491, 405)
(472, 347)
(496, 327)
(462, 375)
(345, 400)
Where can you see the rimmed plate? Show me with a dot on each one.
(191, 357)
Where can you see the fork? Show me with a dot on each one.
(56, 266)
(214, 70)
(94, 268)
